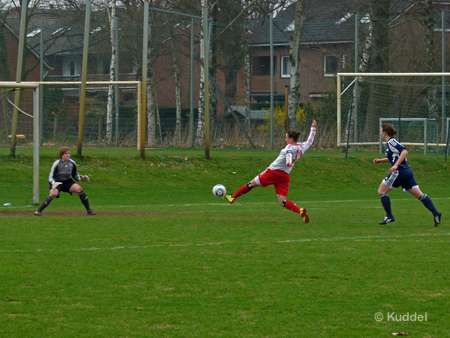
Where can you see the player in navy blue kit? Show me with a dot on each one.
(61, 178)
(401, 175)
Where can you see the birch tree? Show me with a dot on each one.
(247, 83)
(152, 105)
(428, 23)
(201, 95)
(177, 76)
(378, 63)
(4, 74)
(363, 67)
(294, 58)
(112, 68)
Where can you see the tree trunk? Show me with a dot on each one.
(201, 95)
(247, 85)
(151, 114)
(100, 127)
(177, 75)
(294, 57)
(428, 22)
(112, 72)
(55, 129)
(363, 66)
(379, 62)
(151, 91)
(4, 76)
(213, 68)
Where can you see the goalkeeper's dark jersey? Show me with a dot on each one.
(63, 171)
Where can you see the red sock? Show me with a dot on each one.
(292, 206)
(241, 191)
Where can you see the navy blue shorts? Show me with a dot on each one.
(404, 178)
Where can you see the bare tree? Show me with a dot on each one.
(428, 23)
(378, 62)
(177, 76)
(294, 57)
(112, 68)
(201, 96)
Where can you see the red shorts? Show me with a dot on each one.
(279, 178)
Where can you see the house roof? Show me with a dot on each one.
(59, 36)
(326, 21)
(16, 35)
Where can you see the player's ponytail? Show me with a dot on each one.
(389, 129)
(293, 134)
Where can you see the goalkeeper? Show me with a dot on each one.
(61, 178)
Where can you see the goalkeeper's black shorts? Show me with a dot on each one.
(64, 187)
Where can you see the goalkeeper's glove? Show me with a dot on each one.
(85, 178)
(55, 184)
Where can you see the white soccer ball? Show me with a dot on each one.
(219, 190)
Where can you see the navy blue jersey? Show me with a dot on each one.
(393, 151)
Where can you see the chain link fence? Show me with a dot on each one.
(240, 66)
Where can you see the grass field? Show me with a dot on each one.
(165, 258)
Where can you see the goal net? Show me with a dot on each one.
(46, 116)
(415, 103)
(12, 94)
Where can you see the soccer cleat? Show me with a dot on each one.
(230, 199)
(437, 219)
(37, 213)
(304, 215)
(91, 212)
(387, 220)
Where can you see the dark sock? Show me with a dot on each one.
(386, 202)
(291, 206)
(45, 203)
(243, 190)
(84, 200)
(428, 203)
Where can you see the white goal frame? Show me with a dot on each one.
(419, 119)
(340, 91)
(141, 114)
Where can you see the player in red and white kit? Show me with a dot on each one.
(278, 172)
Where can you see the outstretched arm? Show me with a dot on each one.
(311, 136)
(380, 160)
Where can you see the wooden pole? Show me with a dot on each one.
(83, 78)
(23, 20)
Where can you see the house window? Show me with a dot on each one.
(72, 68)
(330, 64)
(285, 66)
(261, 65)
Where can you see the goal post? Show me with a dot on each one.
(35, 88)
(395, 97)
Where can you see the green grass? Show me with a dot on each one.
(164, 258)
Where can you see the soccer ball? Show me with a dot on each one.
(219, 190)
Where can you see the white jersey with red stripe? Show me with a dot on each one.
(291, 153)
